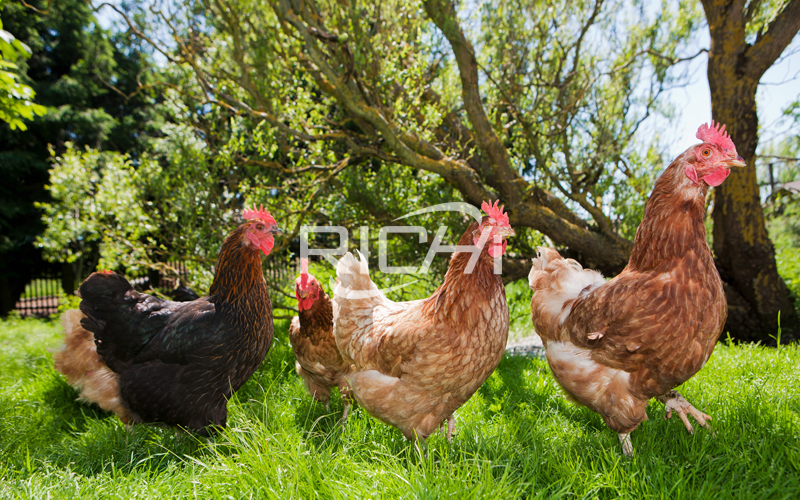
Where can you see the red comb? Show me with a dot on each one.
(716, 135)
(303, 272)
(252, 213)
(495, 212)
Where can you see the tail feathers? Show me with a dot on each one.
(353, 273)
(108, 285)
(85, 370)
(557, 283)
(353, 281)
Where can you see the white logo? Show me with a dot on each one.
(436, 246)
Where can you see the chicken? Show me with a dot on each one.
(614, 345)
(177, 363)
(416, 362)
(319, 362)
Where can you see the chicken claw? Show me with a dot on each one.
(674, 401)
(627, 445)
(451, 426)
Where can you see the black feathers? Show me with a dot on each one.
(179, 362)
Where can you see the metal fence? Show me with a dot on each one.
(41, 295)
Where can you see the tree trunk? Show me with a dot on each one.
(745, 255)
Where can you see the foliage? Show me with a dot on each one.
(16, 99)
(782, 206)
(71, 67)
(358, 113)
(517, 437)
(94, 205)
(109, 214)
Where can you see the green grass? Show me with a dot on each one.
(788, 260)
(516, 438)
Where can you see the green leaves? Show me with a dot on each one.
(16, 99)
(95, 206)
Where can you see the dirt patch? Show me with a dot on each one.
(530, 346)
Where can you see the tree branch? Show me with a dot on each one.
(769, 46)
(443, 14)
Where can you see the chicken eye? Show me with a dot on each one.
(260, 227)
(706, 152)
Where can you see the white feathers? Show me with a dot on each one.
(557, 282)
(594, 384)
(353, 281)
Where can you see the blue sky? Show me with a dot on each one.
(779, 87)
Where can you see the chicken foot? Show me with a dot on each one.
(627, 445)
(451, 426)
(674, 401)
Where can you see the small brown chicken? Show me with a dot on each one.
(416, 362)
(319, 362)
(615, 345)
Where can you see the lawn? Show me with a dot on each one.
(516, 438)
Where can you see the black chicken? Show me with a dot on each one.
(153, 360)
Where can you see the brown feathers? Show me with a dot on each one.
(417, 362)
(614, 345)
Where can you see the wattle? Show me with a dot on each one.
(305, 304)
(716, 177)
(497, 249)
(266, 244)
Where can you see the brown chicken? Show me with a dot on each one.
(416, 362)
(319, 362)
(614, 345)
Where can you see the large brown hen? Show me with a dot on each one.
(615, 345)
(416, 362)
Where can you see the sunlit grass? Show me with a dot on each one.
(516, 438)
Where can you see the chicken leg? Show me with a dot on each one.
(344, 414)
(674, 401)
(627, 445)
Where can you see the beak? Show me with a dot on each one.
(505, 232)
(736, 162)
(276, 230)
(302, 294)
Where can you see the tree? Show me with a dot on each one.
(533, 102)
(746, 40)
(71, 67)
(549, 131)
